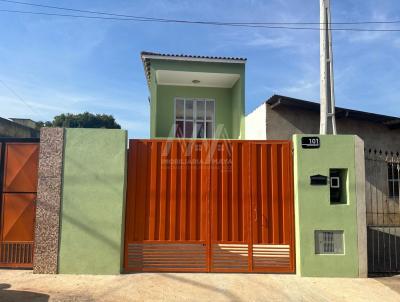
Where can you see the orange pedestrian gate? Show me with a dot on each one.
(18, 186)
(209, 206)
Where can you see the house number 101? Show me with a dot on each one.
(310, 142)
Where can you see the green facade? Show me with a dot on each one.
(314, 211)
(93, 198)
(229, 102)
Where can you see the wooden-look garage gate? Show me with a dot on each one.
(209, 206)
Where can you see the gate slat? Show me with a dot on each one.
(194, 186)
(264, 202)
(153, 189)
(234, 187)
(275, 194)
(173, 191)
(162, 190)
(184, 175)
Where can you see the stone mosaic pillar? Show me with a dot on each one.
(47, 225)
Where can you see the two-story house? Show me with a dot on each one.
(195, 96)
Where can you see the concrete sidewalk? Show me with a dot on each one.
(18, 285)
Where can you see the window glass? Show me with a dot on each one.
(210, 110)
(199, 130)
(188, 129)
(329, 242)
(390, 171)
(179, 128)
(189, 109)
(396, 171)
(209, 130)
(396, 189)
(180, 109)
(393, 180)
(200, 110)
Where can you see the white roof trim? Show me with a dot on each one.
(191, 59)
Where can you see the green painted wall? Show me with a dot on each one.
(230, 102)
(153, 105)
(92, 201)
(165, 103)
(313, 210)
(238, 108)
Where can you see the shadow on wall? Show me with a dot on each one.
(7, 295)
(383, 250)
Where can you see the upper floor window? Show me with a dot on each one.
(394, 179)
(194, 118)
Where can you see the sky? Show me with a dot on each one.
(51, 65)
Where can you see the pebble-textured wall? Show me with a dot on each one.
(47, 224)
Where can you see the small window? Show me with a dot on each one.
(329, 242)
(194, 118)
(394, 179)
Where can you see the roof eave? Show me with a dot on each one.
(391, 122)
(146, 57)
(192, 59)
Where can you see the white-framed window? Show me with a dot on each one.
(394, 179)
(194, 118)
(329, 242)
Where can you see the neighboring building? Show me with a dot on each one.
(24, 122)
(195, 96)
(17, 129)
(280, 117)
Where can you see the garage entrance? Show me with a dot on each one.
(209, 206)
(18, 186)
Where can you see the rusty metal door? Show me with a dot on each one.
(209, 206)
(18, 186)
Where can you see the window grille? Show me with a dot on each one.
(393, 179)
(194, 118)
(329, 242)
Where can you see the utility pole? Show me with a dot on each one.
(327, 116)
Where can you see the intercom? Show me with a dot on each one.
(338, 184)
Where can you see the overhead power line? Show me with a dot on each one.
(17, 96)
(192, 21)
(118, 17)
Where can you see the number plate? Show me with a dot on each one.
(310, 142)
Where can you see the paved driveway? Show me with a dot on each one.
(17, 285)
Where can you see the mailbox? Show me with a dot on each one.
(318, 180)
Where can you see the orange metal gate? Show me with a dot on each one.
(18, 186)
(209, 206)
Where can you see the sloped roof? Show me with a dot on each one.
(392, 122)
(146, 56)
(189, 57)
